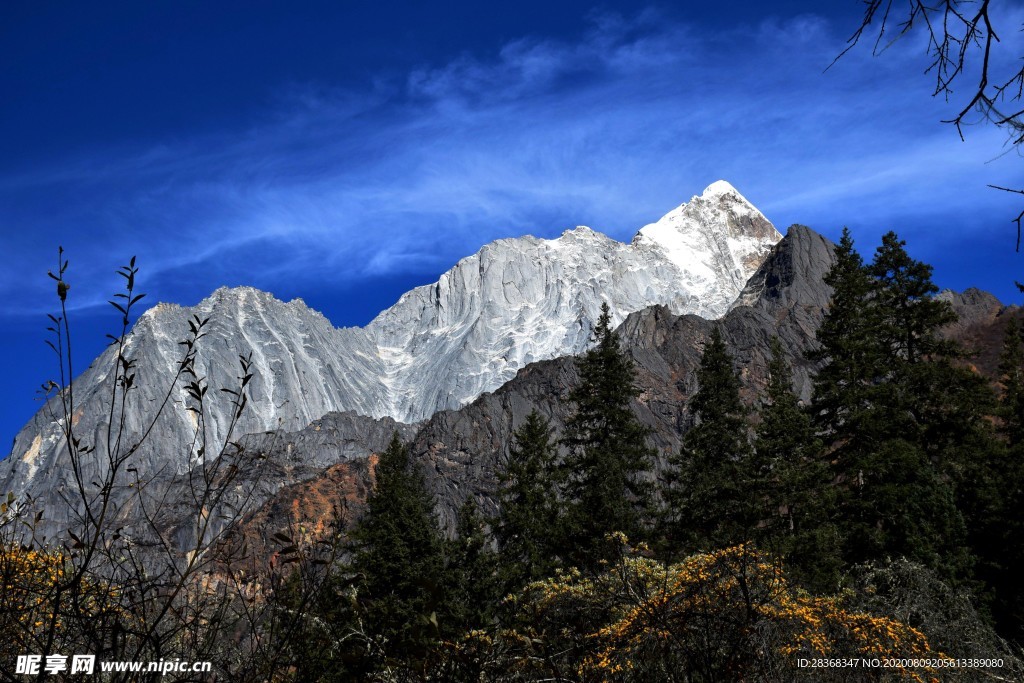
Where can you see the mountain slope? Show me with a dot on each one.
(521, 300)
(440, 346)
(460, 450)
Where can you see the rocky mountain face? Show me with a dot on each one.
(462, 450)
(317, 477)
(521, 300)
(514, 302)
(260, 466)
(981, 326)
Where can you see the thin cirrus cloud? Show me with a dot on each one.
(610, 131)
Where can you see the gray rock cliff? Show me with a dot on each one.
(439, 347)
(462, 450)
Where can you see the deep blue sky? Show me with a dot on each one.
(346, 151)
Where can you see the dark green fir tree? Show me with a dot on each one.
(910, 317)
(1011, 379)
(886, 402)
(472, 575)
(707, 507)
(400, 554)
(528, 521)
(848, 345)
(788, 484)
(607, 453)
(994, 520)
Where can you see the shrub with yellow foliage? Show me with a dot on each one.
(48, 606)
(27, 582)
(726, 615)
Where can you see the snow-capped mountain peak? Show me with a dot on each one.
(716, 235)
(520, 300)
(440, 346)
(720, 187)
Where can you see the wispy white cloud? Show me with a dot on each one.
(416, 172)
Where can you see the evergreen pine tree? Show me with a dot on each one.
(527, 524)
(1011, 377)
(399, 551)
(918, 373)
(788, 484)
(928, 404)
(910, 317)
(885, 402)
(472, 572)
(994, 519)
(607, 451)
(847, 338)
(707, 506)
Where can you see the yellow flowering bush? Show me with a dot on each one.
(28, 579)
(44, 605)
(726, 615)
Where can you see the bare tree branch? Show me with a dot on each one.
(961, 43)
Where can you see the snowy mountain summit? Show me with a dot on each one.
(440, 346)
(526, 299)
(718, 235)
